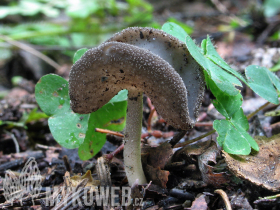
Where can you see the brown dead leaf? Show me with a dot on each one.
(207, 171)
(158, 156)
(191, 150)
(158, 176)
(199, 203)
(262, 169)
(75, 180)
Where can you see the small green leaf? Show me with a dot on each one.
(184, 26)
(111, 116)
(34, 116)
(79, 54)
(227, 105)
(203, 46)
(67, 127)
(260, 82)
(225, 82)
(239, 119)
(175, 30)
(231, 139)
(73, 130)
(213, 55)
(274, 79)
(121, 96)
(51, 92)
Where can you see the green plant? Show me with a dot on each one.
(220, 78)
(73, 130)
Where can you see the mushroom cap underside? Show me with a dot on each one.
(105, 70)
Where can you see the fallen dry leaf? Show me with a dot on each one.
(207, 171)
(262, 169)
(158, 156)
(75, 180)
(199, 203)
(158, 176)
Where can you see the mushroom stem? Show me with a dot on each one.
(132, 138)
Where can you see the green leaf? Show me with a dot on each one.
(51, 93)
(225, 82)
(73, 130)
(184, 26)
(175, 30)
(79, 54)
(213, 55)
(271, 7)
(259, 80)
(121, 96)
(230, 138)
(67, 127)
(273, 78)
(110, 116)
(276, 67)
(34, 116)
(227, 105)
(239, 119)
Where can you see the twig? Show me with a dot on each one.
(177, 138)
(195, 139)
(14, 140)
(100, 130)
(249, 116)
(41, 146)
(224, 197)
(31, 51)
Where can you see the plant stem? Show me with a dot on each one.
(132, 138)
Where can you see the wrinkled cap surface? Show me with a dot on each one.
(175, 53)
(105, 70)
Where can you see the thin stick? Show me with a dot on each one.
(224, 197)
(195, 139)
(149, 126)
(257, 110)
(14, 140)
(100, 130)
(31, 51)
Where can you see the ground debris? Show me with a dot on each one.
(262, 169)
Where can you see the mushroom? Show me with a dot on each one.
(150, 61)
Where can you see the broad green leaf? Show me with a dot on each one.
(213, 55)
(196, 53)
(187, 29)
(67, 127)
(121, 96)
(231, 139)
(224, 81)
(271, 7)
(110, 116)
(79, 54)
(73, 130)
(260, 82)
(227, 105)
(274, 79)
(51, 93)
(239, 119)
(175, 30)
